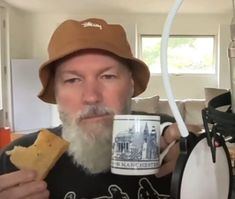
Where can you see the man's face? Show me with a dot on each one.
(89, 89)
(93, 79)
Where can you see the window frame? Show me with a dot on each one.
(215, 54)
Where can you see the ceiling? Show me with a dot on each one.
(122, 6)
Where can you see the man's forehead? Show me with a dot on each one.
(91, 59)
(89, 68)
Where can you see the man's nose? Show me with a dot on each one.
(92, 93)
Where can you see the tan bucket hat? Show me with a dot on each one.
(72, 36)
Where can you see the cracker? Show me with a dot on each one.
(41, 156)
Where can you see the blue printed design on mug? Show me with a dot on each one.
(136, 149)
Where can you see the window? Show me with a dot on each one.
(186, 54)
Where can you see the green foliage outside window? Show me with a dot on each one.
(186, 54)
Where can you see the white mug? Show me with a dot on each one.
(136, 145)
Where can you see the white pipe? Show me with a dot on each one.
(164, 44)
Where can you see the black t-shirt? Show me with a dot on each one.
(68, 181)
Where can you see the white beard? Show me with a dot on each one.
(90, 144)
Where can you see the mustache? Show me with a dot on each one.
(94, 111)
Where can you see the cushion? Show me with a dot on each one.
(164, 107)
(193, 108)
(145, 104)
(210, 93)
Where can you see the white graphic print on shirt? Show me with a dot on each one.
(115, 193)
(146, 191)
(70, 195)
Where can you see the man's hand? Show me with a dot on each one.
(22, 185)
(171, 134)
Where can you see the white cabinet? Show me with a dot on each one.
(29, 112)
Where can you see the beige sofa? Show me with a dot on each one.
(190, 109)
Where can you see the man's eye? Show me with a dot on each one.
(72, 80)
(109, 76)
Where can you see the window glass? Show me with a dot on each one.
(186, 54)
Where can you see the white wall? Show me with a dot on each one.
(223, 62)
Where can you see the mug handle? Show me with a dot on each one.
(165, 151)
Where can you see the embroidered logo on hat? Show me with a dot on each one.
(90, 24)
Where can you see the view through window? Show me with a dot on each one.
(186, 54)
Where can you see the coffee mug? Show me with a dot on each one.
(136, 145)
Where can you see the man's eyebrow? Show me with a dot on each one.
(118, 66)
(67, 72)
(115, 67)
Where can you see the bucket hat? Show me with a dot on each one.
(73, 36)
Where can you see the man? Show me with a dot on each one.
(91, 74)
